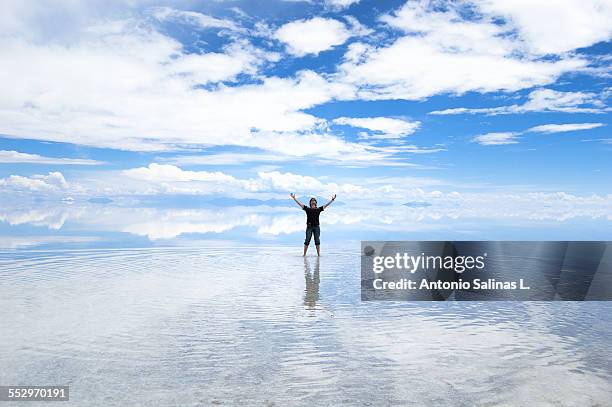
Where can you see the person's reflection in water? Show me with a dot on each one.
(311, 293)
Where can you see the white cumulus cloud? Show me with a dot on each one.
(193, 17)
(560, 128)
(442, 52)
(382, 127)
(134, 90)
(167, 178)
(340, 4)
(52, 182)
(495, 139)
(10, 156)
(541, 100)
(501, 138)
(555, 26)
(312, 36)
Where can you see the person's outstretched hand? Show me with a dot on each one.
(334, 197)
(292, 195)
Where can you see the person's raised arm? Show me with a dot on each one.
(333, 198)
(292, 195)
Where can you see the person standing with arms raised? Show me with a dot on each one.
(312, 221)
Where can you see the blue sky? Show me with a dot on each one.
(495, 110)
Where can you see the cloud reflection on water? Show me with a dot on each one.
(353, 220)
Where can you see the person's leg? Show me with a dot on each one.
(317, 234)
(308, 237)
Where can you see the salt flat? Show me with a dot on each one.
(261, 325)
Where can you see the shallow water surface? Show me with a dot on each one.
(264, 326)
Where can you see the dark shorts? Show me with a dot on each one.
(312, 230)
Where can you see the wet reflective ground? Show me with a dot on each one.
(264, 326)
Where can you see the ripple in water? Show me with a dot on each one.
(186, 326)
